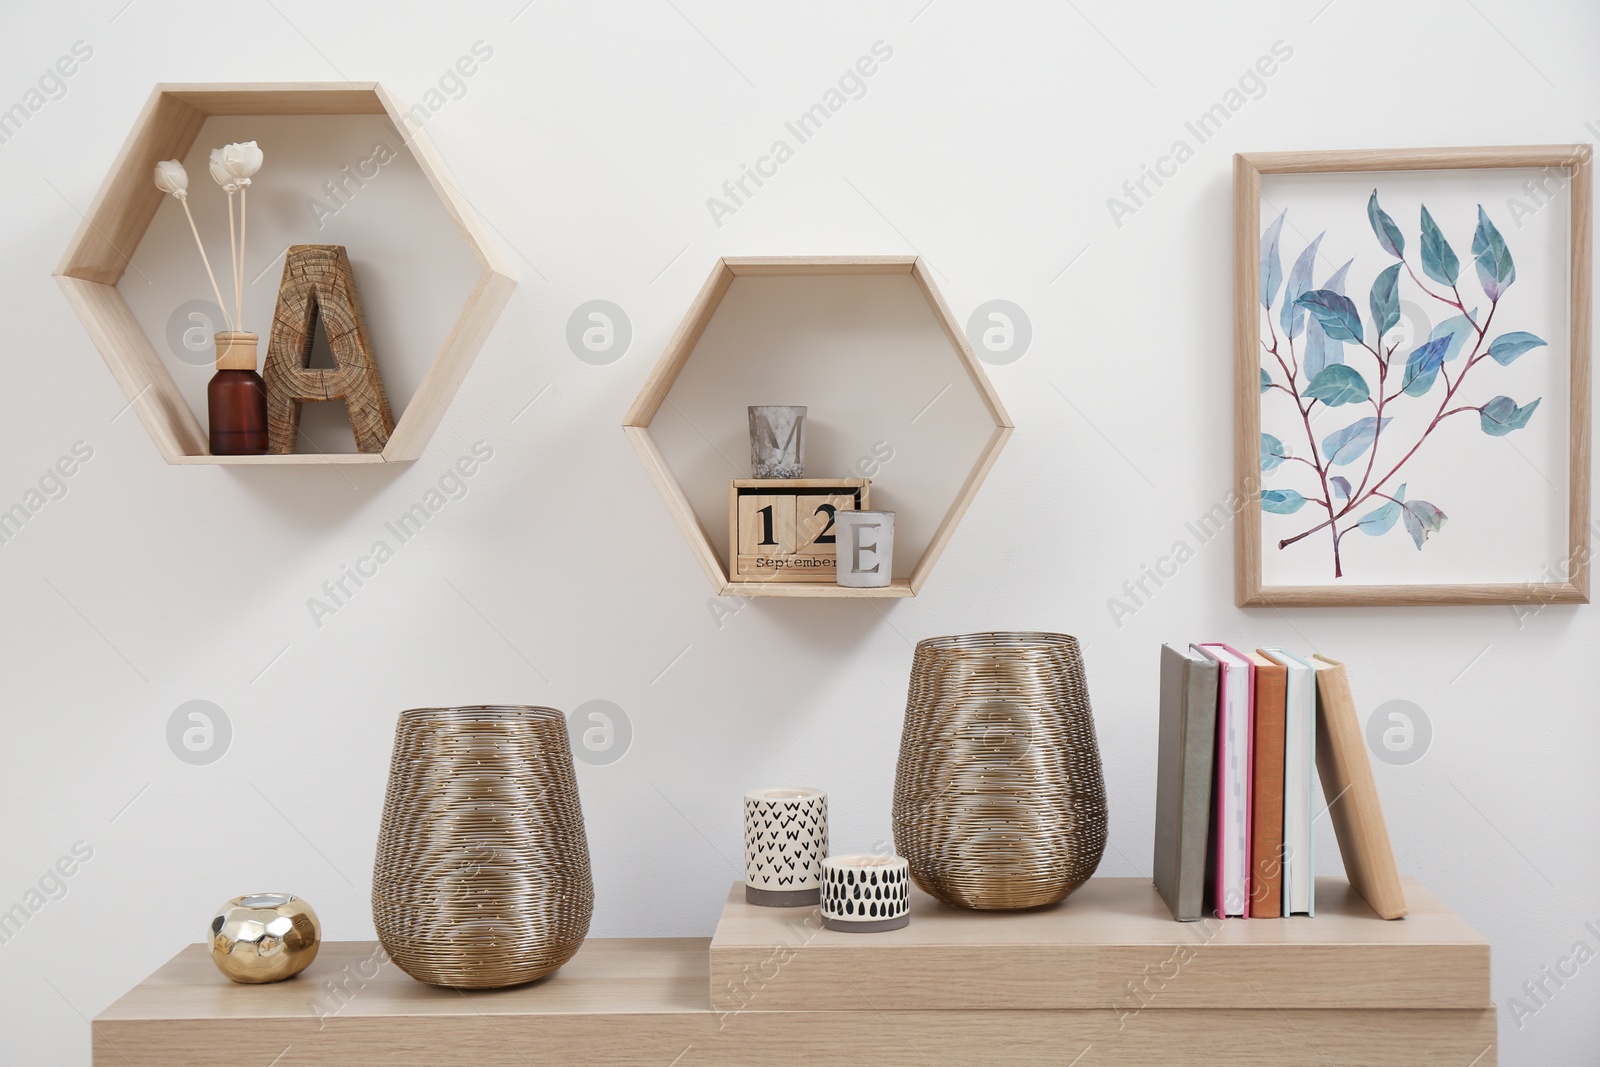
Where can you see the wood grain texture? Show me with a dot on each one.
(439, 177)
(655, 464)
(151, 392)
(319, 288)
(1182, 1038)
(299, 459)
(1099, 949)
(900, 587)
(1581, 201)
(681, 347)
(793, 501)
(758, 266)
(643, 1002)
(1246, 402)
(126, 204)
(1572, 586)
(1379, 159)
(991, 449)
(277, 98)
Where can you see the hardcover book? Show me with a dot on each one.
(1266, 790)
(1299, 778)
(1184, 762)
(1230, 849)
(1352, 794)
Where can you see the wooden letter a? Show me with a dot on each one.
(318, 283)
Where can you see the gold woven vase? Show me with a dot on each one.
(999, 800)
(482, 877)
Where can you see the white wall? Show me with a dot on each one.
(989, 142)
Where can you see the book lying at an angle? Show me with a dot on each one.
(1266, 789)
(1352, 794)
(1299, 777)
(1230, 846)
(1184, 762)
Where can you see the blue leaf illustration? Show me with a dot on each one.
(1458, 328)
(1322, 350)
(1389, 235)
(1351, 443)
(1508, 346)
(1282, 501)
(1381, 520)
(1422, 519)
(1273, 453)
(1422, 365)
(1266, 380)
(1340, 486)
(1384, 301)
(1338, 385)
(1501, 415)
(1438, 258)
(1336, 314)
(1293, 316)
(1271, 268)
(1496, 272)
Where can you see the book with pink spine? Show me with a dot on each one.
(1231, 813)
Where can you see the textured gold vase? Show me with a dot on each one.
(482, 877)
(999, 800)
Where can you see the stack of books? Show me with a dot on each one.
(1244, 737)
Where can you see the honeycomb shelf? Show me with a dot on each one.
(826, 331)
(126, 205)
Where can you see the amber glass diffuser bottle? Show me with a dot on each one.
(236, 399)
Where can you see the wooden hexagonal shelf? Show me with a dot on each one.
(126, 205)
(857, 308)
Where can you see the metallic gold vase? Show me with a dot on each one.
(482, 876)
(999, 800)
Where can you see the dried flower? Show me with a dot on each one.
(221, 174)
(172, 178)
(242, 159)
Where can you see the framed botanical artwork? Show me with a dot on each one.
(1412, 376)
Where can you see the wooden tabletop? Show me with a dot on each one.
(1107, 969)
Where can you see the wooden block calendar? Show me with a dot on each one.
(782, 530)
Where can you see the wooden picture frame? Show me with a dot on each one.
(1568, 167)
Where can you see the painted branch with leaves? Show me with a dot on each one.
(1329, 320)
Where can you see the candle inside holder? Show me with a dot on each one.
(777, 441)
(865, 548)
(785, 841)
(865, 893)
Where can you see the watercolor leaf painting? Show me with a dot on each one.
(1327, 360)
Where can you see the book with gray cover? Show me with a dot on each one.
(1184, 786)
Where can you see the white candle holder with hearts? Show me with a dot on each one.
(785, 842)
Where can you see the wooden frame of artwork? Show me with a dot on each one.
(1568, 168)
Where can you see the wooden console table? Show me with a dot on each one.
(1105, 978)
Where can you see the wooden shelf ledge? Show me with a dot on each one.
(649, 1001)
(1084, 952)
